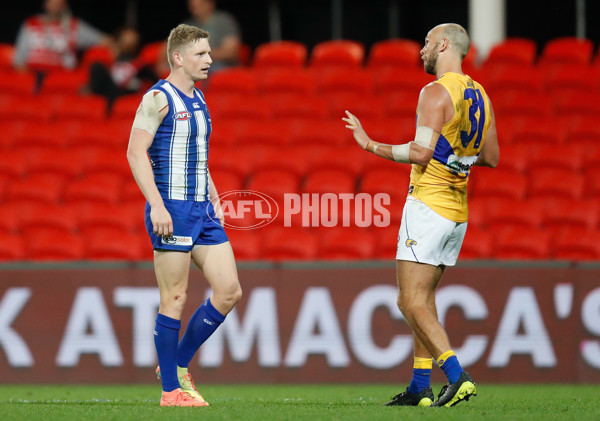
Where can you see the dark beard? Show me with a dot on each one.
(431, 61)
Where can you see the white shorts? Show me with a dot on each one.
(427, 237)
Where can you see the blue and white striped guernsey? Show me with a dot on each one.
(179, 152)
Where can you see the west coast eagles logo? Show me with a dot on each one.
(410, 242)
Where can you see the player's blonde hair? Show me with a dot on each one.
(182, 36)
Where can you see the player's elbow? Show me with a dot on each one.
(420, 156)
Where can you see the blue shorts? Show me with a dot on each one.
(194, 223)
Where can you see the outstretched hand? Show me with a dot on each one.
(359, 133)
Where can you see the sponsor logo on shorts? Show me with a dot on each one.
(182, 115)
(177, 240)
(410, 242)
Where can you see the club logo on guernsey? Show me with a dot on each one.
(182, 115)
(177, 240)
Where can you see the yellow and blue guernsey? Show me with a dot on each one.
(442, 184)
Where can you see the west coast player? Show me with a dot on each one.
(455, 129)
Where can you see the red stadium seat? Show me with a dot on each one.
(130, 193)
(518, 243)
(287, 81)
(97, 160)
(519, 158)
(514, 51)
(559, 214)
(362, 106)
(9, 218)
(14, 163)
(91, 109)
(241, 160)
(151, 54)
(54, 245)
(386, 240)
(328, 132)
(409, 81)
(280, 54)
(477, 244)
(83, 135)
(7, 52)
(392, 183)
(254, 132)
(65, 163)
(567, 50)
(548, 157)
(231, 81)
(343, 80)
(391, 130)
(90, 217)
(275, 183)
(395, 53)
(295, 160)
(511, 213)
(559, 79)
(238, 107)
(30, 109)
(126, 106)
(65, 82)
(515, 104)
(41, 135)
(36, 217)
(17, 83)
(497, 184)
(577, 244)
(12, 248)
(514, 77)
(329, 181)
(9, 130)
(290, 243)
(111, 244)
(298, 107)
(97, 54)
(556, 184)
(246, 244)
(592, 176)
(350, 160)
(400, 105)
(40, 188)
(587, 132)
(346, 243)
(342, 53)
(226, 181)
(578, 104)
(539, 132)
(96, 188)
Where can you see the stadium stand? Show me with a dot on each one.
(278, 130)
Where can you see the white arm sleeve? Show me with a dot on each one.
(151, 112)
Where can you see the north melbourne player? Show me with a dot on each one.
(456, 129)
(172, 126)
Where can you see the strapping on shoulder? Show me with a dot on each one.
(152, 110)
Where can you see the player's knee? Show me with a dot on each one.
(229, 296)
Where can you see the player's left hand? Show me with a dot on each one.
(360, 135)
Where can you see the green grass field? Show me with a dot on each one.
(295, 402)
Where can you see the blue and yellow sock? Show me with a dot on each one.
(203, 323)
(421, 375)
(449, 363)
(166, 336)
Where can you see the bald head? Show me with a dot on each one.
(457, 35)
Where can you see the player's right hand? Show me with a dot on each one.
(162, 224)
